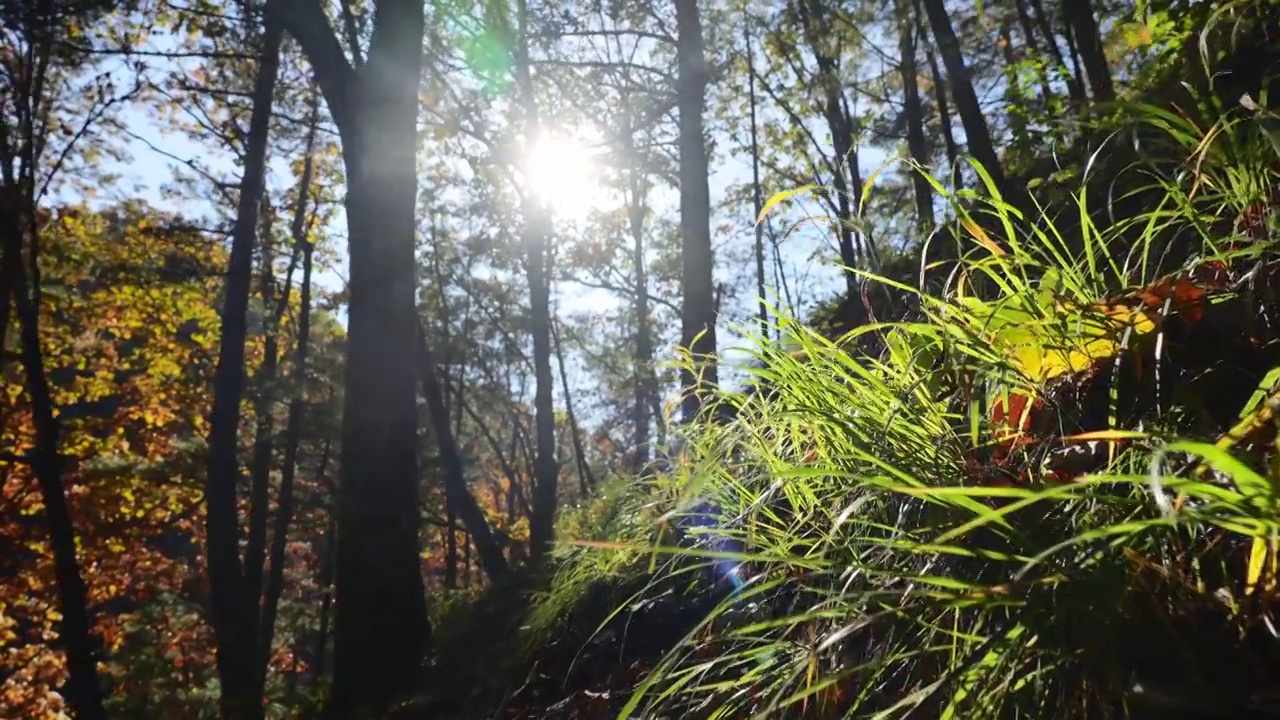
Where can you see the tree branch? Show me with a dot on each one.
(306, 22)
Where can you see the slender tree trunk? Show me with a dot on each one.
(1080, 17)
(83, 690)
(950, 145)
(1075, 89)
(643, 360)
(1077, 69)
(1029, 37)
(381, 627)
(451, 544)
(586, 479)
(981, 145)
(917, 146)
(457, 494)
(8, 281)
(255, 554)
(1015, 100)
(846, 187)
(234, 608)
(757, 192)
(293, 425)
(320, 664)
(537, 236)
(698, 377)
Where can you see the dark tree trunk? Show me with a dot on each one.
(1080, 17)
(1074, 88)
(1015, 100)
(978, 135)
(321, 651)
(643, 360)
(255, 554)
(450, 544)
(458, 496)
(698, 378)
(917, 145)
(1077, 70)
(757, 199)
(1029, 37)
(381, 628)
(586, 480)
(546, 471)
(537, 236)
(83, 690)
(234, 611)
(950, 145)
(846, 176)
(293, 425)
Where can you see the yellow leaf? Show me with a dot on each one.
(1259, 554)
(1107, 435)
(982, 237)
(779, 198)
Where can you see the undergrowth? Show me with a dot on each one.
(1050, 493)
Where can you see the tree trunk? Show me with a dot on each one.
(944, 107)
(1014, 99)
(586, 480)
(917, 145)
(1079, 16)
(757, 199)
(978, 135)
(698, 376)
(457, 494)
(846, 187)
(1074, 88)
(643, 359)
(1029, 37)
(293, 425)
(255, 554)
(234, 611)
(83, 690)
(381, 628)
(537, 235)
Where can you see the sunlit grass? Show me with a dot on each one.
(886, 575)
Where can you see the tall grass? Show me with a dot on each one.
(888, 567)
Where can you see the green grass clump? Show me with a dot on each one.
(910, 550)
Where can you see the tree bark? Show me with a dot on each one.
(586, 480)
(917, 145)
(1074, 88)
(846, 187)
(234, 609)
(381, 628)
(1080, 17)
(537, 235)
(83, 690)
(978, 135)
(458, 496)
(642, 363)
(698, 376)
(293, 425)
(757, 198)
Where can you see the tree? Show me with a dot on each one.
(698, 317)
(381, 629)
(233, 597)
(977, 134)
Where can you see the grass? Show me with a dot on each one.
(1052, 491)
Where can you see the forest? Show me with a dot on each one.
(594, 359)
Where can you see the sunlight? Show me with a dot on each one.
(561, 170)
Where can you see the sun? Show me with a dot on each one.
(562, 172)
